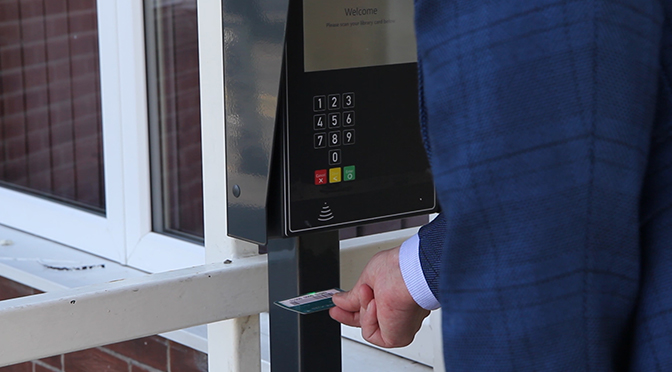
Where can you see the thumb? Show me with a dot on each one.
(347, 301)
(354, 300)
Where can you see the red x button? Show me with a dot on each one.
(321, 177)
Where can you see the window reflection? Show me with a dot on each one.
(50, 132)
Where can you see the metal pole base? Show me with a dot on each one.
(304, 343)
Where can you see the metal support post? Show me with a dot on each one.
(297, 266)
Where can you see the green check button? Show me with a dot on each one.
(349, 173)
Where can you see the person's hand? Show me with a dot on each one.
(380, 304)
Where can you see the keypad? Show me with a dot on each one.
(334, 126)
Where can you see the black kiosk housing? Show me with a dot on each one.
(322, 132)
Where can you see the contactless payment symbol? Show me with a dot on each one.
(325, 213)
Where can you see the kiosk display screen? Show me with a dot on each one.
(357, 33)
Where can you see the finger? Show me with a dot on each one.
(365, 294)
(345, 317)
(369, 323)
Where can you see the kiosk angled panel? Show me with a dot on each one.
(254, 35)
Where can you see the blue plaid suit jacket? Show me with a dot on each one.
(549, 125)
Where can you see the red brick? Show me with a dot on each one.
(31, 8)
(82, 21)
(22, 367)
(13, 104)
(9, 11)
(10, 289)
(10, 56)
(137, 368)
(56, 17)
(94, 360)
(54, 361)
(35, 77)
(84, 43)
(36, 102)
(86, 67)
(32, 29)
(85, 103)
(10, 32)
(82, 5)
(151, 351)
(185, 359)
(40, 368)
(58, 49)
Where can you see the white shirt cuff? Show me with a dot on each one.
(411, 271)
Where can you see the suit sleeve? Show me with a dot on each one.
(419, 261)
(540, 116)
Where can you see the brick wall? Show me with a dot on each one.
(149, 354)
(50, 110)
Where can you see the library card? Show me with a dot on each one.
(310, 302)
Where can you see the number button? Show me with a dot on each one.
(334, 120)
(334, 157)
(319, 103)
(349, 119)
(319, 122)
(334, 139)
(349, 137)
(348, 100)
(334, 101)
(320, 140)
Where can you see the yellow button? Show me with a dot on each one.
(334, 175)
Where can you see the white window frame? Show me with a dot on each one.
(125, 233)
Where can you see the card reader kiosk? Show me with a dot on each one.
(351, 135)
(322, 133)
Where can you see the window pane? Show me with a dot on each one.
(172, 56)
(50, 132)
